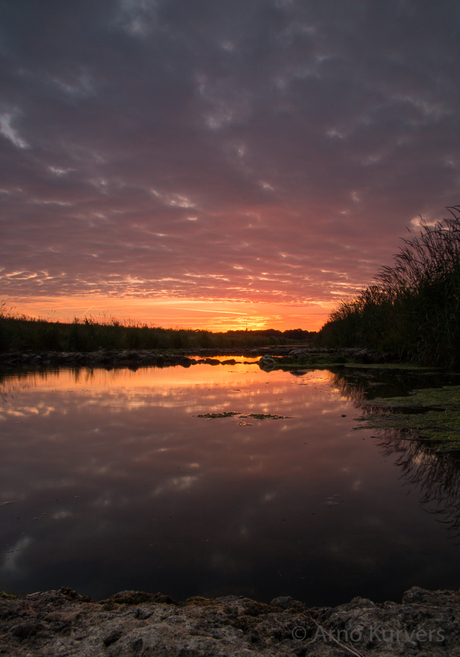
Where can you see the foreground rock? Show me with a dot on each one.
(67, 624)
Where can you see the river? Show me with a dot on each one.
(110, 481)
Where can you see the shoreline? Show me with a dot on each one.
(290, 357)
(63, 622)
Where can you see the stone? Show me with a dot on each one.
(58, 623)
(284, 601)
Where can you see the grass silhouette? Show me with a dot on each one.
(413, 309)
(22, 333)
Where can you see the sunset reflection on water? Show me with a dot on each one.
(111, 481)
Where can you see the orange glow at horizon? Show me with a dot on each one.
(194, 314)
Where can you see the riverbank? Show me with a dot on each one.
(63, 622)
(133, 358)
(286, 357)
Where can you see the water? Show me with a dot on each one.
(110, 481)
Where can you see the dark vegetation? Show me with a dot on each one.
(20, 333)
(413, 309)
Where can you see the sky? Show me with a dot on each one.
(219, 164)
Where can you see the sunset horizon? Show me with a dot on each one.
(173, 314)
(219, 166)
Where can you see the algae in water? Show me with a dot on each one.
(432, 414)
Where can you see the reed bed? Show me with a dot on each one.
(413, 309)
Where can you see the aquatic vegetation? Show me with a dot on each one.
(290, 363)
(331, 363)
(431, 414)
(212, 416)
(255, 416)
(265, 416)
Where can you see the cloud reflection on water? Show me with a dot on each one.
(140, 493)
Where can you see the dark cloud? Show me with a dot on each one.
(243, 149)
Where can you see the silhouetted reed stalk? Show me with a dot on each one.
(413, 309)
(21, 333)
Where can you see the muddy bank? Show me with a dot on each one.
(65, 623)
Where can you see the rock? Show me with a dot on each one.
(285, 601)
(112, 637)
(26, 630)
(184, 361)
(56, 623)
(271, 357)
(143, 613)
(267, 363)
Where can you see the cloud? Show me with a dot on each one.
(9, 132)
(13, 556)
(181, 150)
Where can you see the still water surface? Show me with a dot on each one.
(110, 481)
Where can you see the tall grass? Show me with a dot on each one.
(413, 308)
(21, 333)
